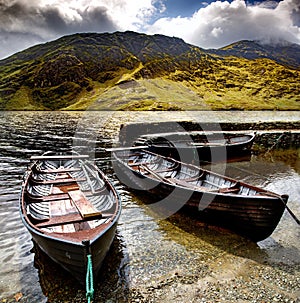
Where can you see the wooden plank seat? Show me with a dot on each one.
(166, 169)
(195, 178)
(228, 190)
(70, 219)
(193, 186)
(59, 157)
(57, 196)
(54, 197)
(57, 170)
(140, 163)
(185, 182)
(207, 143)
(83, 205)
(235, 188)
(147, 170)
(57, 181)
(129, 148)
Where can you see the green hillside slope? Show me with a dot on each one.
(131, 71)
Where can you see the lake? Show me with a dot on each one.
(146, 251)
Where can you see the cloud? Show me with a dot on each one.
(24, 23)
(221, 23)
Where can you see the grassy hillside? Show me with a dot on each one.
(130, 71)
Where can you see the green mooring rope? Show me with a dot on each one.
(89, 280)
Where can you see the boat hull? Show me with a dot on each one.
(218, 148)
(73, 256)
(205, 153)
(254, 217)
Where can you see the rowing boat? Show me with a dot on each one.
(71, 210)
(248, 210)
(210, 146)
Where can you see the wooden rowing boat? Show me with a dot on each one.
(71, 210)
(248, 210)
(210, 146)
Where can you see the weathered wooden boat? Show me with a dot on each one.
(210, 146)
(245, 209)
(71, 210)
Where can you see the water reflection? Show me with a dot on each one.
(57, 284)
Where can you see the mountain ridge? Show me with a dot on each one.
(282, 52)
(76, 71)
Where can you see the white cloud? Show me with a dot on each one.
(24, 23)
(221, 23)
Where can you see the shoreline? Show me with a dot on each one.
(223, 267)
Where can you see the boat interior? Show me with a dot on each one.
(180, 174)
(65, 196)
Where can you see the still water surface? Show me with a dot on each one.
(145, 249)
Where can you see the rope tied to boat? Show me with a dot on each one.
(275, 143)
(89, 279)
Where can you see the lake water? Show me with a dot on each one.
(145, 249)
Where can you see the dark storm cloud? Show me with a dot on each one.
(51, 19)
(23, 24)
(95, 19)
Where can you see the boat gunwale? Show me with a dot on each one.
(206, 144)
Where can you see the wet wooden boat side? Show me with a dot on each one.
(210, 147)
(246, 209)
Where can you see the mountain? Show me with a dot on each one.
(282, 52)
(132, 71)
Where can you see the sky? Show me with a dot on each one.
(207, 24)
